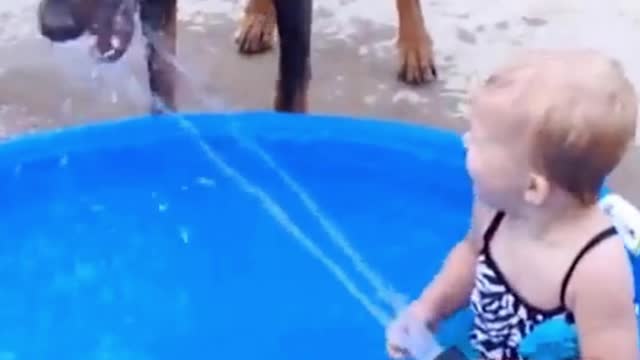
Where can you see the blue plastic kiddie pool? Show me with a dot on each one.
(235, 236)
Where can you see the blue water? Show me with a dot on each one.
(126, 241)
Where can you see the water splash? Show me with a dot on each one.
(383, 289)
(284, 220)
(421, 343)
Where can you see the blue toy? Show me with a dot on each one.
(555, 339)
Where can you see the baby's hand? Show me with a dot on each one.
(408, 335)
(397, 333)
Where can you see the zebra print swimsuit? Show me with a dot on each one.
(502, 317)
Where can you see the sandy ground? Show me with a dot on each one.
(43, 86)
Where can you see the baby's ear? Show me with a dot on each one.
(537, 190)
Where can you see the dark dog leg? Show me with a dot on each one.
(294, 72)
(158, 19)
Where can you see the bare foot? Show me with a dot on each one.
(416, 59)
(256, 32)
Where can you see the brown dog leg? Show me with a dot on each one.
(257, 28)
(294, 68)
(158, 19)
(415, 44)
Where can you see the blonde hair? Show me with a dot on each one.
(580, 111)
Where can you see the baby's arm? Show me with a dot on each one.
(601, 298)
(451, 288)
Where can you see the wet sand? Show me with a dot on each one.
(354, 58)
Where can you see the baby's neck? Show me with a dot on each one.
(541, 221)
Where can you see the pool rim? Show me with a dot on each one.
(263, 125)
(414, 138)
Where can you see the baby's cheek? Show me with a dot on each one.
(486, 172)
(469, 161)
(474, 165)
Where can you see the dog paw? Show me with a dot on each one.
(256, 33)
(417, 64)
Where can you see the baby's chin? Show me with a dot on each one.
(486, 199)
(478, 195)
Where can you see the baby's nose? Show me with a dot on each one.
(57, 22)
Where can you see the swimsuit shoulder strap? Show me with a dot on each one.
(597, 239)
(492, 228)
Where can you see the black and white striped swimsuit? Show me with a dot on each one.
(502, 317)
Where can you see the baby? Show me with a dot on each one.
(545, 131)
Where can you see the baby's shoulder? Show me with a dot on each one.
(606, 264)
(606, 255)
(596, 242)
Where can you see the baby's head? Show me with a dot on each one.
(551, 123)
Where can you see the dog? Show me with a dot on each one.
(112, 23)
(255, 35)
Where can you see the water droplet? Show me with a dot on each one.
(115, 42)
(64, 160)
(184, 235)
(205, 181)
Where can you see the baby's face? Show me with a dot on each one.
(497, 151)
